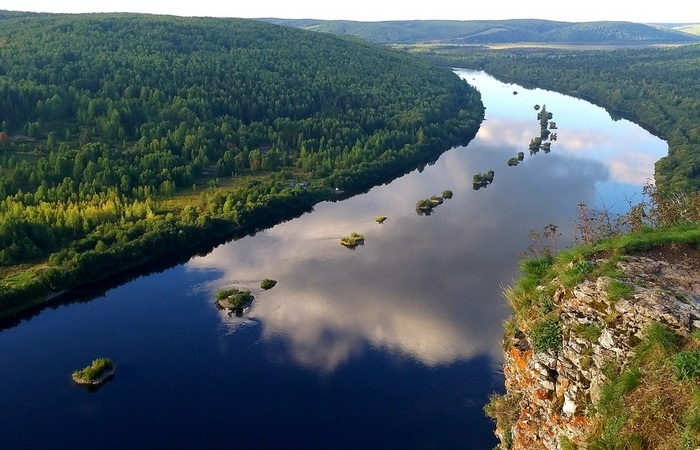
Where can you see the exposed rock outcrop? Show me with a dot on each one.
(555, 390)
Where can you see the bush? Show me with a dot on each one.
(268, 284)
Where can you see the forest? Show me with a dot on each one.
(485, 32)
(654, 87)
(124, 137)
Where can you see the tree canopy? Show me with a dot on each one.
(124, 136)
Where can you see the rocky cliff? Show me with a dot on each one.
(553, 398)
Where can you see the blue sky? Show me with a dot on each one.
(674, 11)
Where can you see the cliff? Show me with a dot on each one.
(608, 360)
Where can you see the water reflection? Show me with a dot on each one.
(427, 287)
(584, 130)
(397, 341)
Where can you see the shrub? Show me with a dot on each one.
(268, 284)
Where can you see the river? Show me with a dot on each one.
(392, 345)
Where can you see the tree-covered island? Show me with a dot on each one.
(267, 284)
(653, 87)
(234, 298)
(126, 137)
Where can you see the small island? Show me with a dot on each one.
(380, 219)
(234, 299)
(268, 284)
(425, 207)
(96, 373)
(353, 240)
(482, 180)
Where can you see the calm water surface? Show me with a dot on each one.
(392, 345)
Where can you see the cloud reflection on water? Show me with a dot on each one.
(426, 288)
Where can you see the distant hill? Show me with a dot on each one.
(496, 31)
(691, 29)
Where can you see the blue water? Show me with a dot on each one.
(392, 345)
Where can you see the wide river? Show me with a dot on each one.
(392, 345)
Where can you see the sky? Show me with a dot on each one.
(669, 11)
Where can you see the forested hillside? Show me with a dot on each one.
(483, 32)
(123, 137)
(656, 88)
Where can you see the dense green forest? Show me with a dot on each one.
(654, 87)
(124, 137)
(484, 32)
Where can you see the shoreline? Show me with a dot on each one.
(221, 230)
(97, 381)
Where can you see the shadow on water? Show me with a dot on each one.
(91, 291)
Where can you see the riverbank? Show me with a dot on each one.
(167, 234)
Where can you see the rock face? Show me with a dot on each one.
(555, 389)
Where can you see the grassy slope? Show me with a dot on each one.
(652, 403)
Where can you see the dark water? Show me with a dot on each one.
(392, 345)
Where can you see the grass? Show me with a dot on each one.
(94, 371)
(617, 290)
(653, 402)
(659, 344)
(687, 364)
(191, 196)
(574, 275)
(590, 332)
(20, 278)
(504, 410)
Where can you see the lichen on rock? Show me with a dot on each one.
(553, 394)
